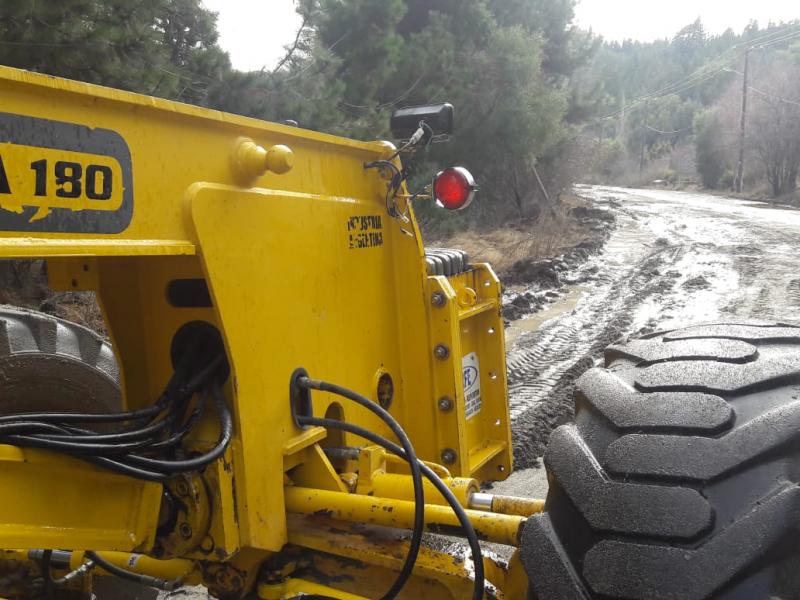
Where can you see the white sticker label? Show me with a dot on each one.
(471, 371)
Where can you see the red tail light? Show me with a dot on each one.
(454, 188)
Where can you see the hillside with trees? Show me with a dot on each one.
(672, 109)
(540, 103)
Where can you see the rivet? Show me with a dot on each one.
(445, 404)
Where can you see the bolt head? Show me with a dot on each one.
(185, 530)
(441, 352)
(449, 456)
(438, 299)
(445, 404)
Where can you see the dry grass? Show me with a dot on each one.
(547, 237)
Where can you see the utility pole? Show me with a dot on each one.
(622, 117)
(644, 141)
(739, 181)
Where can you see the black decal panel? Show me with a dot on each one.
(63, 178)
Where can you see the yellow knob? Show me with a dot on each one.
(280, 159)
(251, 160)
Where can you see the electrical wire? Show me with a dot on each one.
(430, 475)
(416, 473)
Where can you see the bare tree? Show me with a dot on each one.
(775, 123)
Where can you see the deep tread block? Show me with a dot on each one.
(709, 412)
(628, 409)
(732, 331)
(626, 570)
(716, 377)
(655, 351)
(547, 563)
(658, 511)
(47, 363)
(702, 459)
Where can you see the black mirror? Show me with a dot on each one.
(439, 119)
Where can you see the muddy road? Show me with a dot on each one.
(674, 259)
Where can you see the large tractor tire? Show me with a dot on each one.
(679, 478)
(48, 364)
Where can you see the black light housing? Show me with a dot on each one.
(439, 117)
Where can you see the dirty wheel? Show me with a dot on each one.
(679, 478)
(50, 364)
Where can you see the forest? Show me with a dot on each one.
(541, 104)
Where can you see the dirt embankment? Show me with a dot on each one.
(536, 261)
(535, 282)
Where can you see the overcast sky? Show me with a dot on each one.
(254, 32)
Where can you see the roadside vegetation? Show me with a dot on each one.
(540, 103)
(672, 110)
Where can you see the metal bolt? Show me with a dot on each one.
(449, 456)
(445, 404)
(441, 352)
(182, 488)
(185, 530)
(438, 299)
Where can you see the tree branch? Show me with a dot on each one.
(292, 50)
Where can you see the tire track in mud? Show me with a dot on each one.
(544, 366)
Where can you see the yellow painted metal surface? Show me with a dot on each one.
(354, 508)
(55, 501)
(293, 588)
(304, 269)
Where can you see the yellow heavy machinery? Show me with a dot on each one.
(295, 390)
(240, 266)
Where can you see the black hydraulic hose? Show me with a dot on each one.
(121, 468)
(181, 433)
(131, 415)
(47, 572)
(461, 514)
(198, 462)
(416, 474)
(156, 582)
(77, 447)
(123, 436)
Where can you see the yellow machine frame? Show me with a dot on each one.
(304, 268)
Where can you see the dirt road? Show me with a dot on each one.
(675, 258)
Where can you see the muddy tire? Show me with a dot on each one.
(50, 364)
(679, 478)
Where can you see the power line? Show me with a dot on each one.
(653, 129)
(773, 96)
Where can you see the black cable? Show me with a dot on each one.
(461, 514)
(194, 464)
(416, 474)
(156, 582)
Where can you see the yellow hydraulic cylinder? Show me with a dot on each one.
(355, 508)
(170, 569)
(401, 487)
